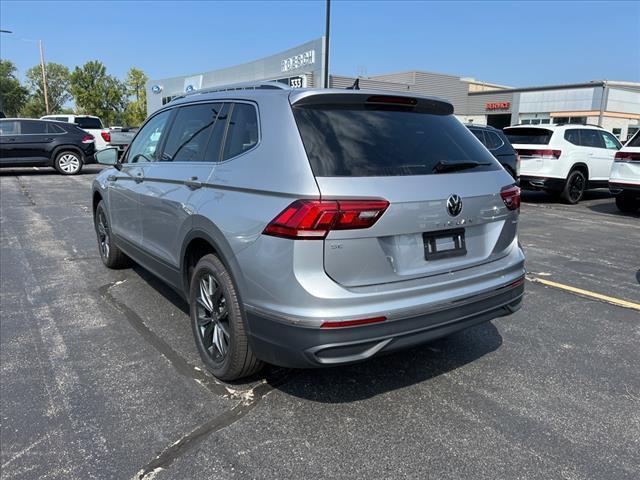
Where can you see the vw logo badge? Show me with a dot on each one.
(156, 89)
(189, 88)
(454, 205)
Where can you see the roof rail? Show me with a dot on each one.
(261, 85)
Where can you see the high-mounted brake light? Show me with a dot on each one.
(511, 197)
(627, 157)
(106, 135)
(353, 323)
(392, 100)
(314, 219)
(539, 153)
(87, 139)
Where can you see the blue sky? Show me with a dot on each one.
(512, 43)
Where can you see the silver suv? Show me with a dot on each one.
(309, 228)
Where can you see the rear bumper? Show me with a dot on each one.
(617, 187)
(295, 346)
(529, 182)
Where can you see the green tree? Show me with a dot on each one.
(57, 88)
(136, 110)
(13, 96)
(97, 93)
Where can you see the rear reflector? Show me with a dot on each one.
(511, 197)
(106, 135)
(353, 323)
(627, 156)
(87, 139)
(539, 153)
(314, 219)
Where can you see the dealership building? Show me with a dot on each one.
(614, 105)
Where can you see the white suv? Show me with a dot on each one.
(89, 124)
(624, 179)
(565, 159)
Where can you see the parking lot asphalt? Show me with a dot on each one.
(100, 377)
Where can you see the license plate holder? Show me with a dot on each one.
(444, 244)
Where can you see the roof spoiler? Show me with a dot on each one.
(434, 106)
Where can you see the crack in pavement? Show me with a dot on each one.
(217, 423)
(25, 190)
(248, 398)
(180, 364)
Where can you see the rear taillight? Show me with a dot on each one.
(106, 135)
(87, 139)
(555, 154)
(511, 197)
(314, 219)
(627, 157)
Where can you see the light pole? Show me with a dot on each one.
(44, 78)
(326, 46)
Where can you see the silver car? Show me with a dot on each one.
(309, 228)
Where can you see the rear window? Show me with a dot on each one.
(362, 141)
(88, 122)
(634, 142)
(535, 136)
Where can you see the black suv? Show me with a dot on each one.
(498, 144)
(27, 143)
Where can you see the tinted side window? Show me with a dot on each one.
(144, 147)
(212, 154)
(572, 136)
(479, 135)
(32, 127)
(59, 119)
(591, 138)
(493, 140)
(190, 132)
(610, 141)
(9, 127)
(53, 128)
(88, 122)
(242, 132)
(635, 141)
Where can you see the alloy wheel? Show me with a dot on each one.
(103, 234)
(213, 318)
(69, 163)
(576, 187)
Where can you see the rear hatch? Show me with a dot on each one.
(532, 145)
(417, 156)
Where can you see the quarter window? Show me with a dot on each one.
(493, 140)
(242, 132)
(144, 147)
(610, 141)
(53, 128)
(190, 132)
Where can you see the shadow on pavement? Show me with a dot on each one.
(536, 196)
(611, 209)
(370, 378)
(46, 171)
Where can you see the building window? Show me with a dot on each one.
(572, 120)
(166, 100)
(617, 132)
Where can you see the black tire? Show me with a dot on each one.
(68, 162)
(574, 187)
(110, 254)
(217, 321)
(627, 203)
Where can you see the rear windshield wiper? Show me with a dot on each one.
(444, 166)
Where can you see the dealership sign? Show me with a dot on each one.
(497, 105)
(298, 61)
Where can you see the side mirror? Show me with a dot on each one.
(108, 156)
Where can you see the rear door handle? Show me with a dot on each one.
(193, 183)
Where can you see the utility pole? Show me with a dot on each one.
(44, 79)
(326, 46)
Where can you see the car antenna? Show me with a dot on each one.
(355, 86)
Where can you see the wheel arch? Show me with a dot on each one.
(62, 148)
(580, 166)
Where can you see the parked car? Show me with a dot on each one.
(27, 142)
(121, 137)
(624, 179)
(499, 146)
(89, 124)
(310, 228)
(563, 159)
